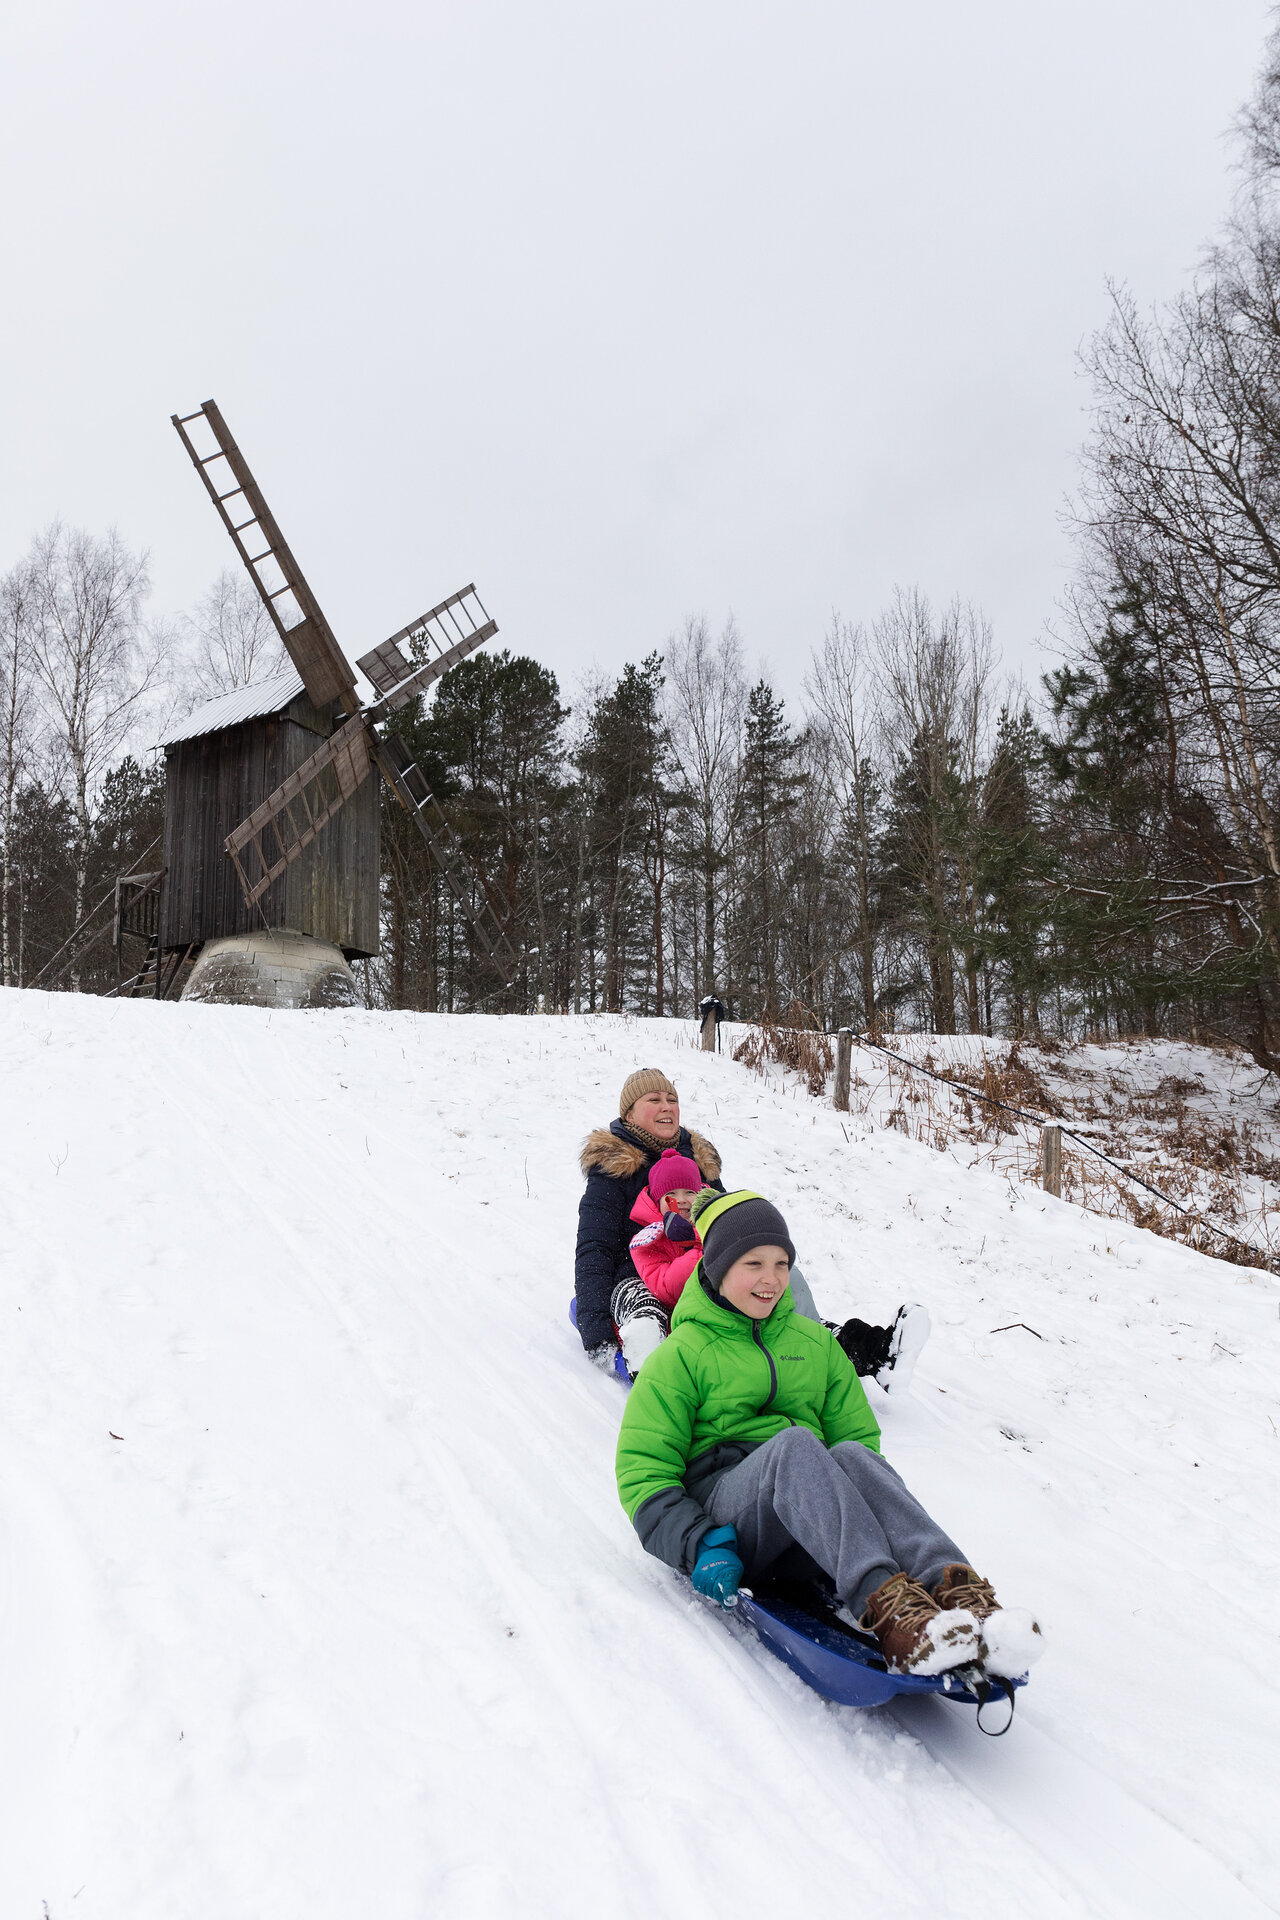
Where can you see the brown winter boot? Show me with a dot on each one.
(961, 1586)
(1011, 1637)
(915, 1634)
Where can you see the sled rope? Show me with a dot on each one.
(988, 1689)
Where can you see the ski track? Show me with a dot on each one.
(349, 1618)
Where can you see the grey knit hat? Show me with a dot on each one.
(636, 1085)
(751, 1222)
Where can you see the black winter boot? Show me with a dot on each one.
(866, 1346)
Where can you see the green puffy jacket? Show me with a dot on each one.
(719, 1386)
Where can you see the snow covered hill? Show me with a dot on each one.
(315, 1596)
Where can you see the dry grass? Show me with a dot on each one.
(1208, 1162)
(1013, 1083)
(801, 1050)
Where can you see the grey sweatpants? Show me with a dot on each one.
(844, 1505)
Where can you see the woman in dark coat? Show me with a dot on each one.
(616, 1161)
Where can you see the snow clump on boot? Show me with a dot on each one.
(911, 1328)
(1012, 1642)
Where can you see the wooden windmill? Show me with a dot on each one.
(255, 732)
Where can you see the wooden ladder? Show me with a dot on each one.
(158, 974)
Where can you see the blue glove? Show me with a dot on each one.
(677, 1228)
(717, 1569)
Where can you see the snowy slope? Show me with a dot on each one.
(347, 1620)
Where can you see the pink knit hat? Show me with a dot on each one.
(673, 1170)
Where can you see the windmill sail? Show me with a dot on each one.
(446, 634)
(405, 778)
(289, 819)
(326, 672)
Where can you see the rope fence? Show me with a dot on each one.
(1256, 1254)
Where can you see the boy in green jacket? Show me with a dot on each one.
(748, 1436)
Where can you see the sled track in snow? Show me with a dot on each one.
(352, 1615)
(1126, 1861)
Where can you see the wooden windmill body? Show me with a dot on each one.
(271, 813)
(221, 765)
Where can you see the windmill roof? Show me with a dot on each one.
(242, 703)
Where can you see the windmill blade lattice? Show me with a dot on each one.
(289, 819)
(276, 832)
(447, 633)
(405, 778)
(326, 672)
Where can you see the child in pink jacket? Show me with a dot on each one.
(664, 1253)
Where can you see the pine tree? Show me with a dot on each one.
(926, 809)
(490, 749)
(1110, 758)
(625, 771)
(496, 725)
(770, 782)
(1014, 871)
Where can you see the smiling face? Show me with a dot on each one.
(657, 1113)
(754, 1283)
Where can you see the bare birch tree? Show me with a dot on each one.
(1258, 123)
(92, 659)
(232, 640)
(706, 702)
(1182, 512)
(840, 688)
(935, 683)
(15, 742)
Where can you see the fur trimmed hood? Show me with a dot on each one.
(611, 1150)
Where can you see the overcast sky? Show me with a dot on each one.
(622, 311)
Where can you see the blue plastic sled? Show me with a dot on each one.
(802, 1629)
(848, 1667)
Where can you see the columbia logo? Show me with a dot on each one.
(790, 1356)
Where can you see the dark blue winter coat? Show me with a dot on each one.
(617, 1165)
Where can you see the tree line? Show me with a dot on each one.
(1165, 718)
(922, 844)
(925, 846)
(87, 683)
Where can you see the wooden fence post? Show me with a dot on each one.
(1051, 1159)
(844, 1060)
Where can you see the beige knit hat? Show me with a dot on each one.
(636, 1085)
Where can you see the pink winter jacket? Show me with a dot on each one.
(662, 1265)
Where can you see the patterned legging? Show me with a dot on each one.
(631, 1300)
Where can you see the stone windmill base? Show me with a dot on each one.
(272, 969)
